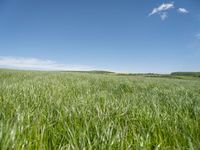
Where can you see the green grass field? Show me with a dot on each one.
(63, 110)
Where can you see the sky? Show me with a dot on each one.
(136, 36)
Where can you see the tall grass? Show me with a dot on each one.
(52, 110)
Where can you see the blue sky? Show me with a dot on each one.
(125, 36)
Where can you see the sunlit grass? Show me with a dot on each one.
(52, 110)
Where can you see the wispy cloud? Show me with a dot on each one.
(162, 7)
(182, 10)
(38, 64)
(198, 36)
(163, 15)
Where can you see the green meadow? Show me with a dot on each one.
(77, 110)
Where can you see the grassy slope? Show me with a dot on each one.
(46, 110)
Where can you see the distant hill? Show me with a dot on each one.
(192, 74)
(92, 71)
(100, 71)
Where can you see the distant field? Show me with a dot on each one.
(63, 110)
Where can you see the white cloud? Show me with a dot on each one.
(182, 10)
(198, 36)
(162, 7)
(163, 15)
(38, 64)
